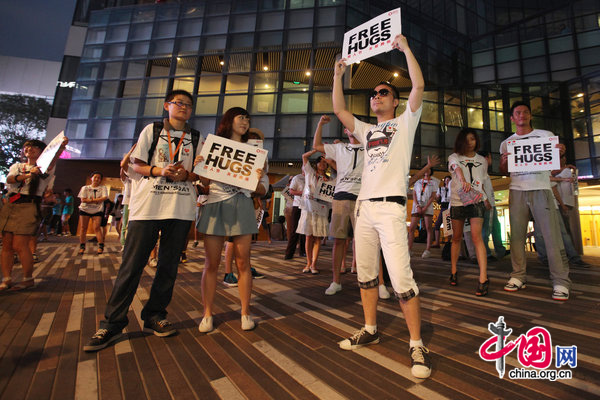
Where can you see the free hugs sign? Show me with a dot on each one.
(231, 162)
(372, 37)
(535, 154)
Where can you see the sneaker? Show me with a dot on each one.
(161, 328)
(420, 362)
(514, 284)
(426, 254)
(333, 289)
(580, 263)
(247, 323)
(383, 292)
(360, 338)
(183, 258)
(101, 339)
(230, 280)
(560, 293)
(256, 274)
(153, 262)
(206, 325)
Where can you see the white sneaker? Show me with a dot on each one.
(206, 325)
(247, 323)
(560, 293)
(333, 289)
(426, 254)
(383, 292)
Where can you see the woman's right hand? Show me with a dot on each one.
(198, 160)
(466, 186)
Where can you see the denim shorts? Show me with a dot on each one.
(467, 212)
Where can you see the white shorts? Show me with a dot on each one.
(382, 225)
(312, 224)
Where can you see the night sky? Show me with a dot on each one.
(35, 28)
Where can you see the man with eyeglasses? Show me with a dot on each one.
(381, 208)
(163, 201)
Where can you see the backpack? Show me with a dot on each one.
(157, 129)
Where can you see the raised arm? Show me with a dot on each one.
(432, 161)
(317, 140)
(415, 99)
(339, 103)
(307, 155)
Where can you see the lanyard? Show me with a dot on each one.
(171, 152)
(423, 186)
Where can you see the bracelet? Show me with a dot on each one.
(151, 168)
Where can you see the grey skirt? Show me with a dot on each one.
(232, 217)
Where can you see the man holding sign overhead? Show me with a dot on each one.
(381, 208)
(530, 192)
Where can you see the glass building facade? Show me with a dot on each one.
(275, 58)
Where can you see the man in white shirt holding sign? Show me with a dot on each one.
(349, 158)
(381, 212)
(530, 192)
(163, 201)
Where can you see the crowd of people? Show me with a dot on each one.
(366, 213)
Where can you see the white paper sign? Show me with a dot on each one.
(231, 162)
(535, 154)
(372, 37)
(49, 152)
(325, 190)
(289, 197)
(447, 223)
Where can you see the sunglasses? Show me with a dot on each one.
(381, 93)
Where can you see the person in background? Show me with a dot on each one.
(491, 224)
(292, 218)
(443, 197)
(55, 223)
(20, 216)
(424, 193)
(67, 211)
(92, 207)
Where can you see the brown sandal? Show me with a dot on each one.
(27, 283)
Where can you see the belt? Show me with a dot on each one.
(25, 198)
(395, 199)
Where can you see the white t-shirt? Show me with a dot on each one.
(349, 159)
(566, 188)
(90, 192)
(474, 170)
(23, 186)
(444, 193)
(155, 198)
(388, 148)
(219, 191)
(298, 185)
(422, 192)
(312, 183)
(531, 180)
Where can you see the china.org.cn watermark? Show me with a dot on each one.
(534, 351)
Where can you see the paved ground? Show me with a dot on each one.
(293, 351)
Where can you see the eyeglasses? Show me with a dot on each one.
(381, 93)
(181, 104)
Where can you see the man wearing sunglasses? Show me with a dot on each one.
(381, 208)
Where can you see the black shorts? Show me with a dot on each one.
(98, 214)
(467, 212)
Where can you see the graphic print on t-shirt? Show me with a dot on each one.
(378, 144)
(163, 147)
(470, 164)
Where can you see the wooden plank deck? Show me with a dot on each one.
(293, 353)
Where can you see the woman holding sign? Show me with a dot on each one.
(20, 216)
(468, 201)
(228, 212)
(313, 219)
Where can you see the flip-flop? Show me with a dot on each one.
(314, 271)
(306, 270)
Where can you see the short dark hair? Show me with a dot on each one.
(517, 104)
(226, 124)
(460, 143)
(171, 95)
(395, 92)
(97, 173)
(35, 143)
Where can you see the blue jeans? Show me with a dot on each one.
(141, 239)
